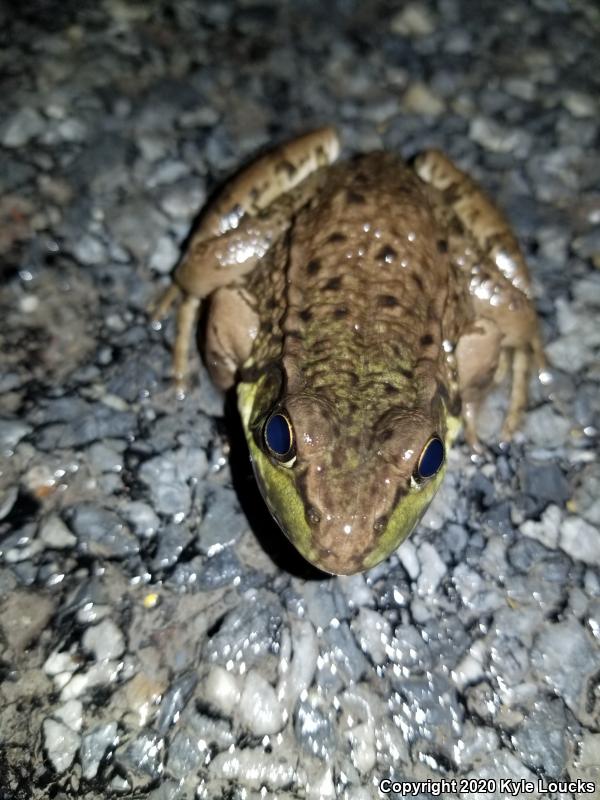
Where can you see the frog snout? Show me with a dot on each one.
(343, 539)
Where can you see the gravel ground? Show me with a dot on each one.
(158, 638)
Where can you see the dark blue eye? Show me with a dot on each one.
(431, 459)
(278, 435)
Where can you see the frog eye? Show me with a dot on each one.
(279, 438)
(431, 458)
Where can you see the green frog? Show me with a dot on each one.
(363, 308)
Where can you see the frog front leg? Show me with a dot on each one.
(504, 327)
(238, 228)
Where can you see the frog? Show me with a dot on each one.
(361, 309)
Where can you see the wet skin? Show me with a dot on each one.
(363, 309)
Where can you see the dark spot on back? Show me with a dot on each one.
(354, 197)
(305, 315)
(407, 373)
(391, 389)
(287, 167)
(457, 227)
(387, 301)
(417, 279)
(337, 238)
(442, 246)
(313, 266)
(341, 312)
(387, 253)
(333, 284)
(426, 340)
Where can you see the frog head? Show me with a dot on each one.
(345, 494)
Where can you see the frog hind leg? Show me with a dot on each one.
(237, 229)
(479, 345)
(500, 287)
(227, 346)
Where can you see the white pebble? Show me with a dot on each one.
(260, 711)
(222, 690)
(362, 740)
(407, 553)
(433, 569)
(55, 533)
(60, 662)
(104, 641)
(581, 541)
(61, 744)
(547, 530)
(71, 713)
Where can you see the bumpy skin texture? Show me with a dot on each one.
(366, 302)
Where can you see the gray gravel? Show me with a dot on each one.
(156, 636)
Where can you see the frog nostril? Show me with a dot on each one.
(313, 516)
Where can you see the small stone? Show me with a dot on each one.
(101, 532)
(222, 690)
(143, 518)
(547, 530)
(167, 477)
(23, 616)
(105, 641)
(167, 172)
(259, 707)
(164, 256)
(362, 743)
(58, 663)
(25, 125)
(420, 99)
(253, 768)
(93, 747)
(415, 19)
(408, 649)
(544, 481)
(407, 553)
(314, 728)
(55, 533)
(61, 744)
(545, 428)
(11, 433)
(496, 138)
(71, 713)
(581, 541)
(432, 570)
(373, 633)
(563, 657)
(182, 201)
(175, 700)
(297, 668)
(99, 674)
(8, 497)
(142, 759)
(89, 251)
(580, 104)
(223, 524)
(220, 569)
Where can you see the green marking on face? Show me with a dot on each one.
(276, 482)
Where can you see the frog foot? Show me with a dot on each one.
(187, 313)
